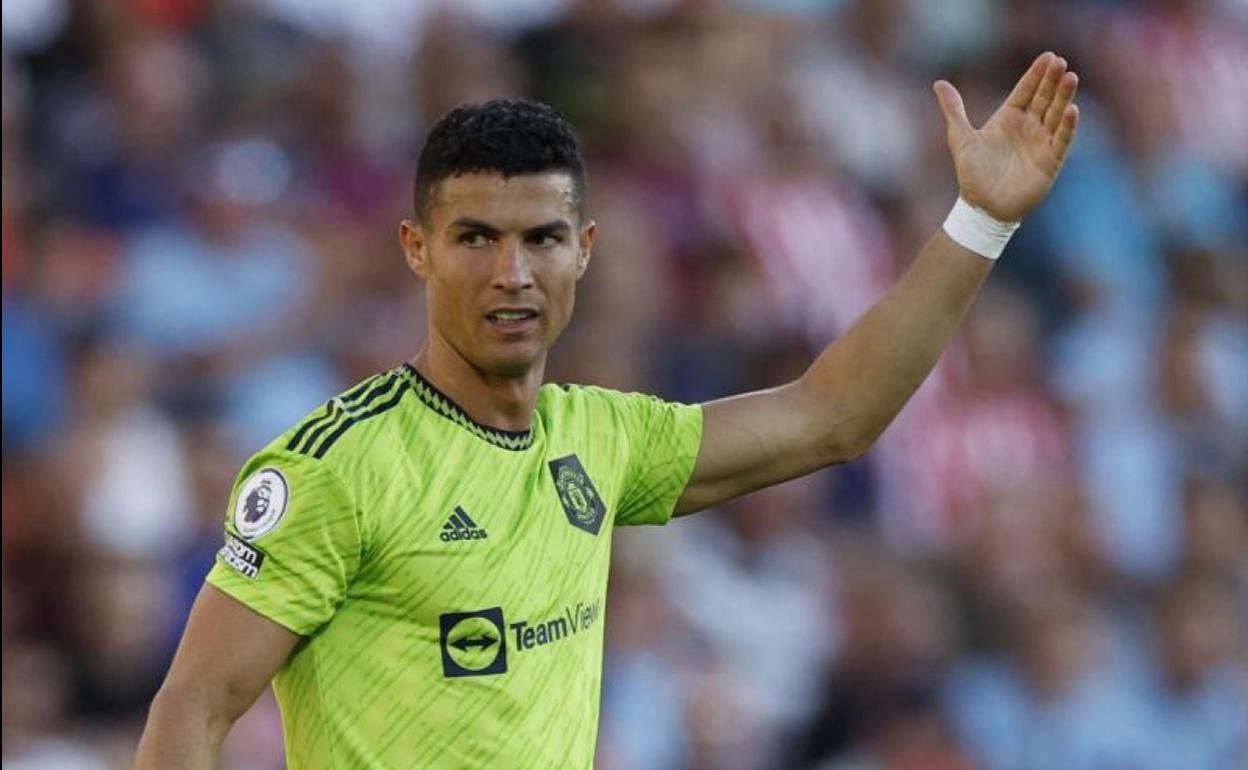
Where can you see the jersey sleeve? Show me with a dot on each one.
(292, 540)
(663, 440)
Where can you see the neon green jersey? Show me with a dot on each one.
(449, 579)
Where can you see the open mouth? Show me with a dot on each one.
(511, 318)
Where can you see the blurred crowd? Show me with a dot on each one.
(1043, 565)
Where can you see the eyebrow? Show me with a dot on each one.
(550, 228)
(547, 228)
(468, 223)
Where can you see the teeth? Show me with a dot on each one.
(511, 315)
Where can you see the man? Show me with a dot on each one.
(425, 585)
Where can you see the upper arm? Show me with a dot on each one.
(227, 656)
(293, 541)
(849, 395)
(758, 439)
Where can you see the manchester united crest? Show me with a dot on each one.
(580, 500)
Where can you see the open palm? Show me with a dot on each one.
(1008, 166)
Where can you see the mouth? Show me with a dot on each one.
(512, 319)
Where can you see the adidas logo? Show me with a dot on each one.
(460, 526)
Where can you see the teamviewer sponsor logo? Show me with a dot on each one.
(460, 526)
(573, 619)
(473, 643)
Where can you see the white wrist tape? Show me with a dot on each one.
(977, 230)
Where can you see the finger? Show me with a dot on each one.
(956, 123)
(1066, 132)
(1065, 93)
(1026, 87)
(1048, 88)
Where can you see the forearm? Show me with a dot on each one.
(855, 388)
(1004, 170)
(866, 376)
(181, 734)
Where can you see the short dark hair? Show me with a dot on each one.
(508, 137)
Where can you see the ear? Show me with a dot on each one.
(586, 246)
(415, 245)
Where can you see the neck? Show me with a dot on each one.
(506, 403)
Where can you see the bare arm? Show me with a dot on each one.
(860, 382)
(227, 657)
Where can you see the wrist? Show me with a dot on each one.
(976, 230)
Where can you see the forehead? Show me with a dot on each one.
(504, 202)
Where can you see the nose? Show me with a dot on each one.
(512, 272)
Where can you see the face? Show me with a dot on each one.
(500, 258)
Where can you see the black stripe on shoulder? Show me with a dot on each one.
(330, 410)
(345, 412)
(358, 390)
(358, 416)
(336, 417)
(308, 423)
(345, 409)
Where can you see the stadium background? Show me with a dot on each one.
(1044, 564)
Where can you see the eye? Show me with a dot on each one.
(546, 240)
(474, 240)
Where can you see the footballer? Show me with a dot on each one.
(420, 567)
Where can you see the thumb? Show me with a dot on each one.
(958, 126)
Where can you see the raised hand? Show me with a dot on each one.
(1007, 167)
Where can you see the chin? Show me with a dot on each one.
(511, 369)
(511, 363)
